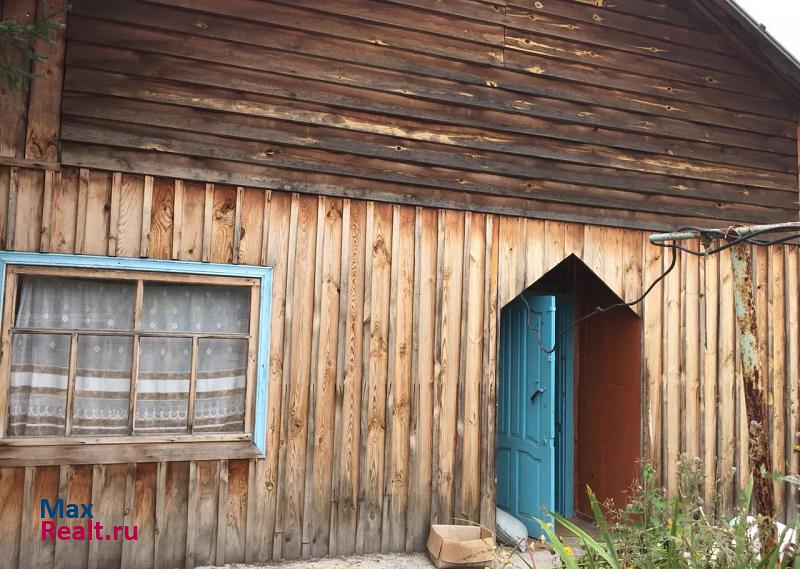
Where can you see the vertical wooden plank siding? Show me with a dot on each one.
(349, 381)
(710, 436)
(726, 377)
(319, 483)
(299, 354)
(374, 387)
(672, 419)
(420, 437)
(382, 371)
(654, 265)
(12, 484)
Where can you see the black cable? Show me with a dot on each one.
(705, 235)
(709, 235)
(599, 309)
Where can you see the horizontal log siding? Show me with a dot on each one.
(635, 115)
(382, 365)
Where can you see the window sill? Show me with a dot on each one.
(20, 452)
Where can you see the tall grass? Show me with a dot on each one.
(655, 531)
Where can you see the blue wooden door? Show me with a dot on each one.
(526, 410)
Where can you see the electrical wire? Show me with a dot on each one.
(706, 236)
(598, 309)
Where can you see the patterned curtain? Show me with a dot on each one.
(40, 361)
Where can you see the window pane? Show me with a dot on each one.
(221, 382)
(102, 386)
(198, 309)
(162, 391)
(38, 393)
(83, 304)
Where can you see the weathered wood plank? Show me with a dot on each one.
(550, 242)
(710, 288)
(40, 483)
(223, 219)
(50, 180)
(161, 219)
(75, 487)
(319, 489)
(511, 233)
(398, 401)
(64, 212)
(421, 428)
(632, 286)
(692, 423)
(300, 368)
(252, 227)
(28, 210)
(473, 369)
(489, 381)
(14, 110)
(172, 503)
(177, 218)
(222, 517)
(147, 212)
(143, 515)
(792, 264)
(775, 284)
(44, 100)
(5, 181)
(206, 512)
(190, 245)
(113, 222)
(98, 197)
(12, 483)
(726, 379)
(280, 514)
(671, 388)
(277, 257)
(376, 359)
(450, 375)
(312, 387)
(347, 443)
(108, 490)
(654, 265)
(257, 541)
(236, 511)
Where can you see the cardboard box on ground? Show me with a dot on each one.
(461, 546)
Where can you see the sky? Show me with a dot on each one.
(781, 17)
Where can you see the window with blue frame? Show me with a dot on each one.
(103, 351)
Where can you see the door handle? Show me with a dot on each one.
(536, 394)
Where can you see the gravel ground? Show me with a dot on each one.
(543, 560)
(387, 561)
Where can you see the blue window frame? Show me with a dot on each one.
(263, 275)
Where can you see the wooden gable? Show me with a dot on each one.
(630, 113)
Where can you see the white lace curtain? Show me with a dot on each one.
(40, 361)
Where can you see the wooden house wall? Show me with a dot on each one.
(30, 113)
(382, 373)
(632, 113)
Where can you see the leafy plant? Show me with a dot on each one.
(18, 42)
(655, 531)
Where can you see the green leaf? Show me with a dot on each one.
(591, 543)
(569, 562)
(602, 525)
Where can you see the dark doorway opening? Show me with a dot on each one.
(596, 408)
